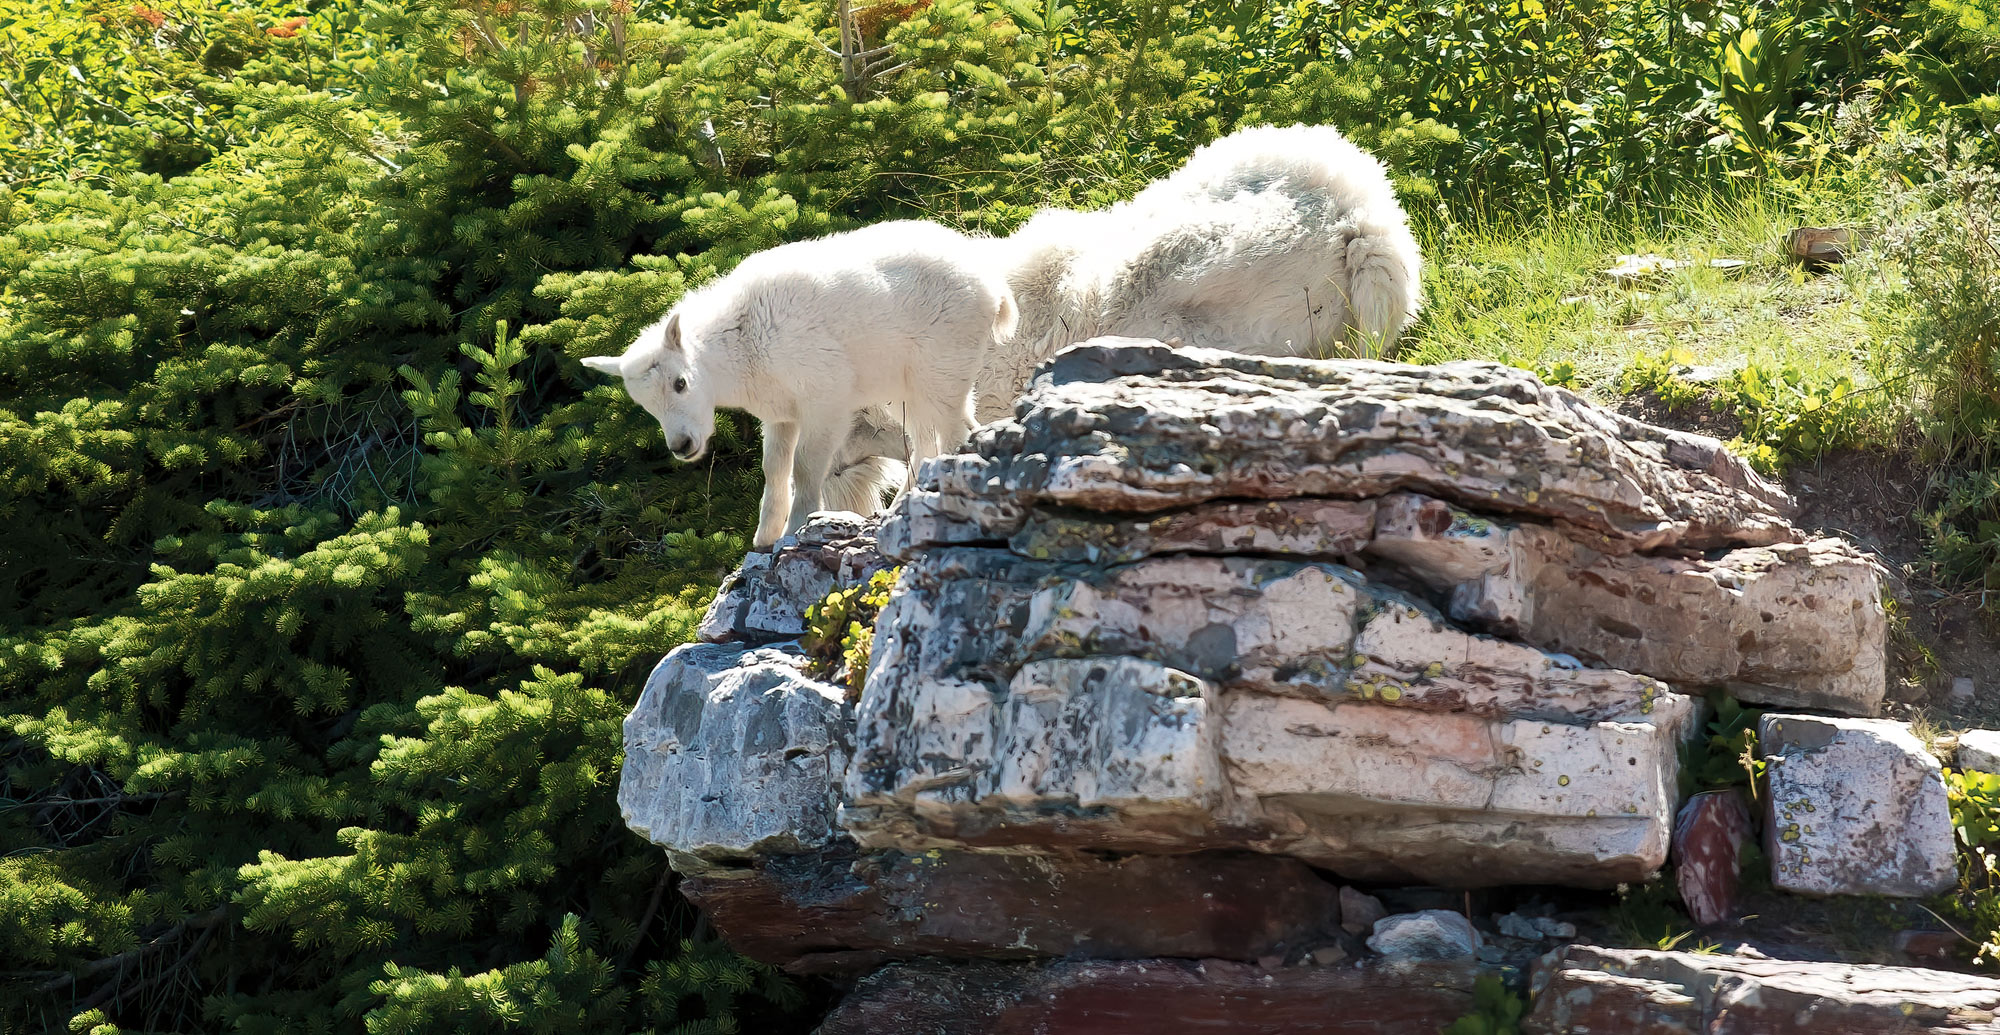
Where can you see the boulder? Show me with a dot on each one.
(1855, 807)
(733, 753)
(1979, 751)
(837, 909)
(1147, 997)
(1583, 988)
(1710, 836)
(1433, 934)
(766, 598)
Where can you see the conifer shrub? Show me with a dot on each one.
(329, 575)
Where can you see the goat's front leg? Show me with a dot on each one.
(820, 438)
(781, 439)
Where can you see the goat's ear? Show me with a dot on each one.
(670, 336)
(606, 364)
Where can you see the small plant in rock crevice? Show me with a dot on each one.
(1727, 756)
(840, 631)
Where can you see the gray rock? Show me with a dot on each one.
(1514, 925)
(1855, 807)
(766, 598)
(1359, 911)
(1552, 928)
(1979, 750)
(732, 753)
(1431, 934)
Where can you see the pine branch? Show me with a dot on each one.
(205, 922)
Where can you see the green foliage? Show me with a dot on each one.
(1650, 914)
(1664, 376)
(1496, 1010)
(1951, 57)
(1975, 815)
(840, 631)
(1789, 416)
(1727, 755)
(1948, 246)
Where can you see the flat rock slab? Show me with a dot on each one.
(1150, 997)
(1125, 426)
(765, 599)
(840, 910)
(1585, 989)
(731, 753)
(1855, 807)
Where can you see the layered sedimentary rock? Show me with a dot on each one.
(1641, 992)
(1186, 702)
(1148, 997)
(1195, 637)
(840, 909)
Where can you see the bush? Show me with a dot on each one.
(1948, 247)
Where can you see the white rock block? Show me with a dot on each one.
(1855, 807)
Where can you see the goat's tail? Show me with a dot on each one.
(1384, 284)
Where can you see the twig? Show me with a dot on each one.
(646, 918)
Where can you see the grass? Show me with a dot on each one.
(1789, 362)
(1538, 296)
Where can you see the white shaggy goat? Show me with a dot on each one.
(1272, 240)
(897, 316)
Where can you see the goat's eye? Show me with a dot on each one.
(680, 384)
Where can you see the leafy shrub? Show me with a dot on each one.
(1663, 375)
(1975, 816)
(840, 631)
(1947, 244)
(1496, 1010)
(1791, 417)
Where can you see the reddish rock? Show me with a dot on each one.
(1930, 944)
(835, 910)
(1709, 837)
(1154, 997)
(1583, 988)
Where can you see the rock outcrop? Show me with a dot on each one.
(1197, 636)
